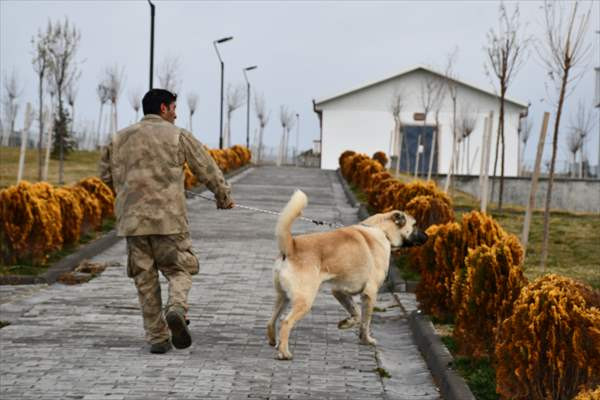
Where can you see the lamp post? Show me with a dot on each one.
(215, 43)
(248, 104)
(151, 42)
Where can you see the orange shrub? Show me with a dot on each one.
(437, 262)
(494, 278)
(429, 210)
(381, 158)
(588, 394)
(16, 219)
(437, 290)
(98, 189)
(71, 213)
(550, 346)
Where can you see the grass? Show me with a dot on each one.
(478, 373)
(78, 164)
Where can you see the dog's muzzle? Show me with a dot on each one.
(416, 238)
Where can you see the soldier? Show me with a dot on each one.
(143, 164)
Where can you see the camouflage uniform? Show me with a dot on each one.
(144, 165)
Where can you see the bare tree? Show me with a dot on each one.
(467, 121)
(113, 81)
(135, 100)
(581, 125)
(288, 129)
(430, 93)
(574, 142)
(103, 97)
(192, 101)
(563, 54)
(235, 98)
(506, 51)
(12, 91)
(395, 107)
(452, 88)
(263, 119)
(62, 48)
(41, 64)
(524, 134)
(285, 118)
(168, 75)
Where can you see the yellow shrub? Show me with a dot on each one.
(102, 193)
(437, 261)
(494, 278)
(550, 346)
(588, 394)
(381, 158)
(71, 213)
(429, 210)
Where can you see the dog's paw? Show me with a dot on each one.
(367, 340)
(271, 336)
(347, 323)
(284, 356)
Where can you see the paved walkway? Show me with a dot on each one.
(86, 341)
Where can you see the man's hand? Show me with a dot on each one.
(225, 205)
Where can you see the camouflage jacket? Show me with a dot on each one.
(144, 165)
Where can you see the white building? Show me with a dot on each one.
(360, 119)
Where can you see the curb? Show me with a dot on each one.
(70, 262)
(438, 358)
(65, 264)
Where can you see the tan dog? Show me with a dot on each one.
(354, 259)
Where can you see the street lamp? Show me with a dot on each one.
(151, 42)
(248, 104)
(215, 43)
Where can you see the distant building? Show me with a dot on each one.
(360, 119)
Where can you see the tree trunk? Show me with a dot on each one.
(534, 183)
(41, 126)
(48, 147)
(432, 151)
(417, 156)
(485, 154)
(501, 129)
(98, 129)
(24, 134)
(561, 99)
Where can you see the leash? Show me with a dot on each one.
(314, 221)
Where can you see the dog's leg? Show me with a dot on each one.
(280, 304)
(367, 302)
(348, 303)
(300, 307)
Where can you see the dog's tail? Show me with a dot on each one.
(291, 211)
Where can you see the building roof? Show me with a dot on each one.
(407, 71)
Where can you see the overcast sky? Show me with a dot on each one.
(304, 50)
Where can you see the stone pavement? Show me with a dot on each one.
(86, 341)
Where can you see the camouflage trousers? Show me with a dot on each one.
(171, 255)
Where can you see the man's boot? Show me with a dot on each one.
(161, 348)
(180, 333)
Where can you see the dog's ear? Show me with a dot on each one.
(399, 219)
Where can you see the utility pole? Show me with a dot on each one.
(248, 104)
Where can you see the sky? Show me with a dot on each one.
(304, 50)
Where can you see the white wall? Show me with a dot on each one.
(361, 122)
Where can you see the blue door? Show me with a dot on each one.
(409, 149)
